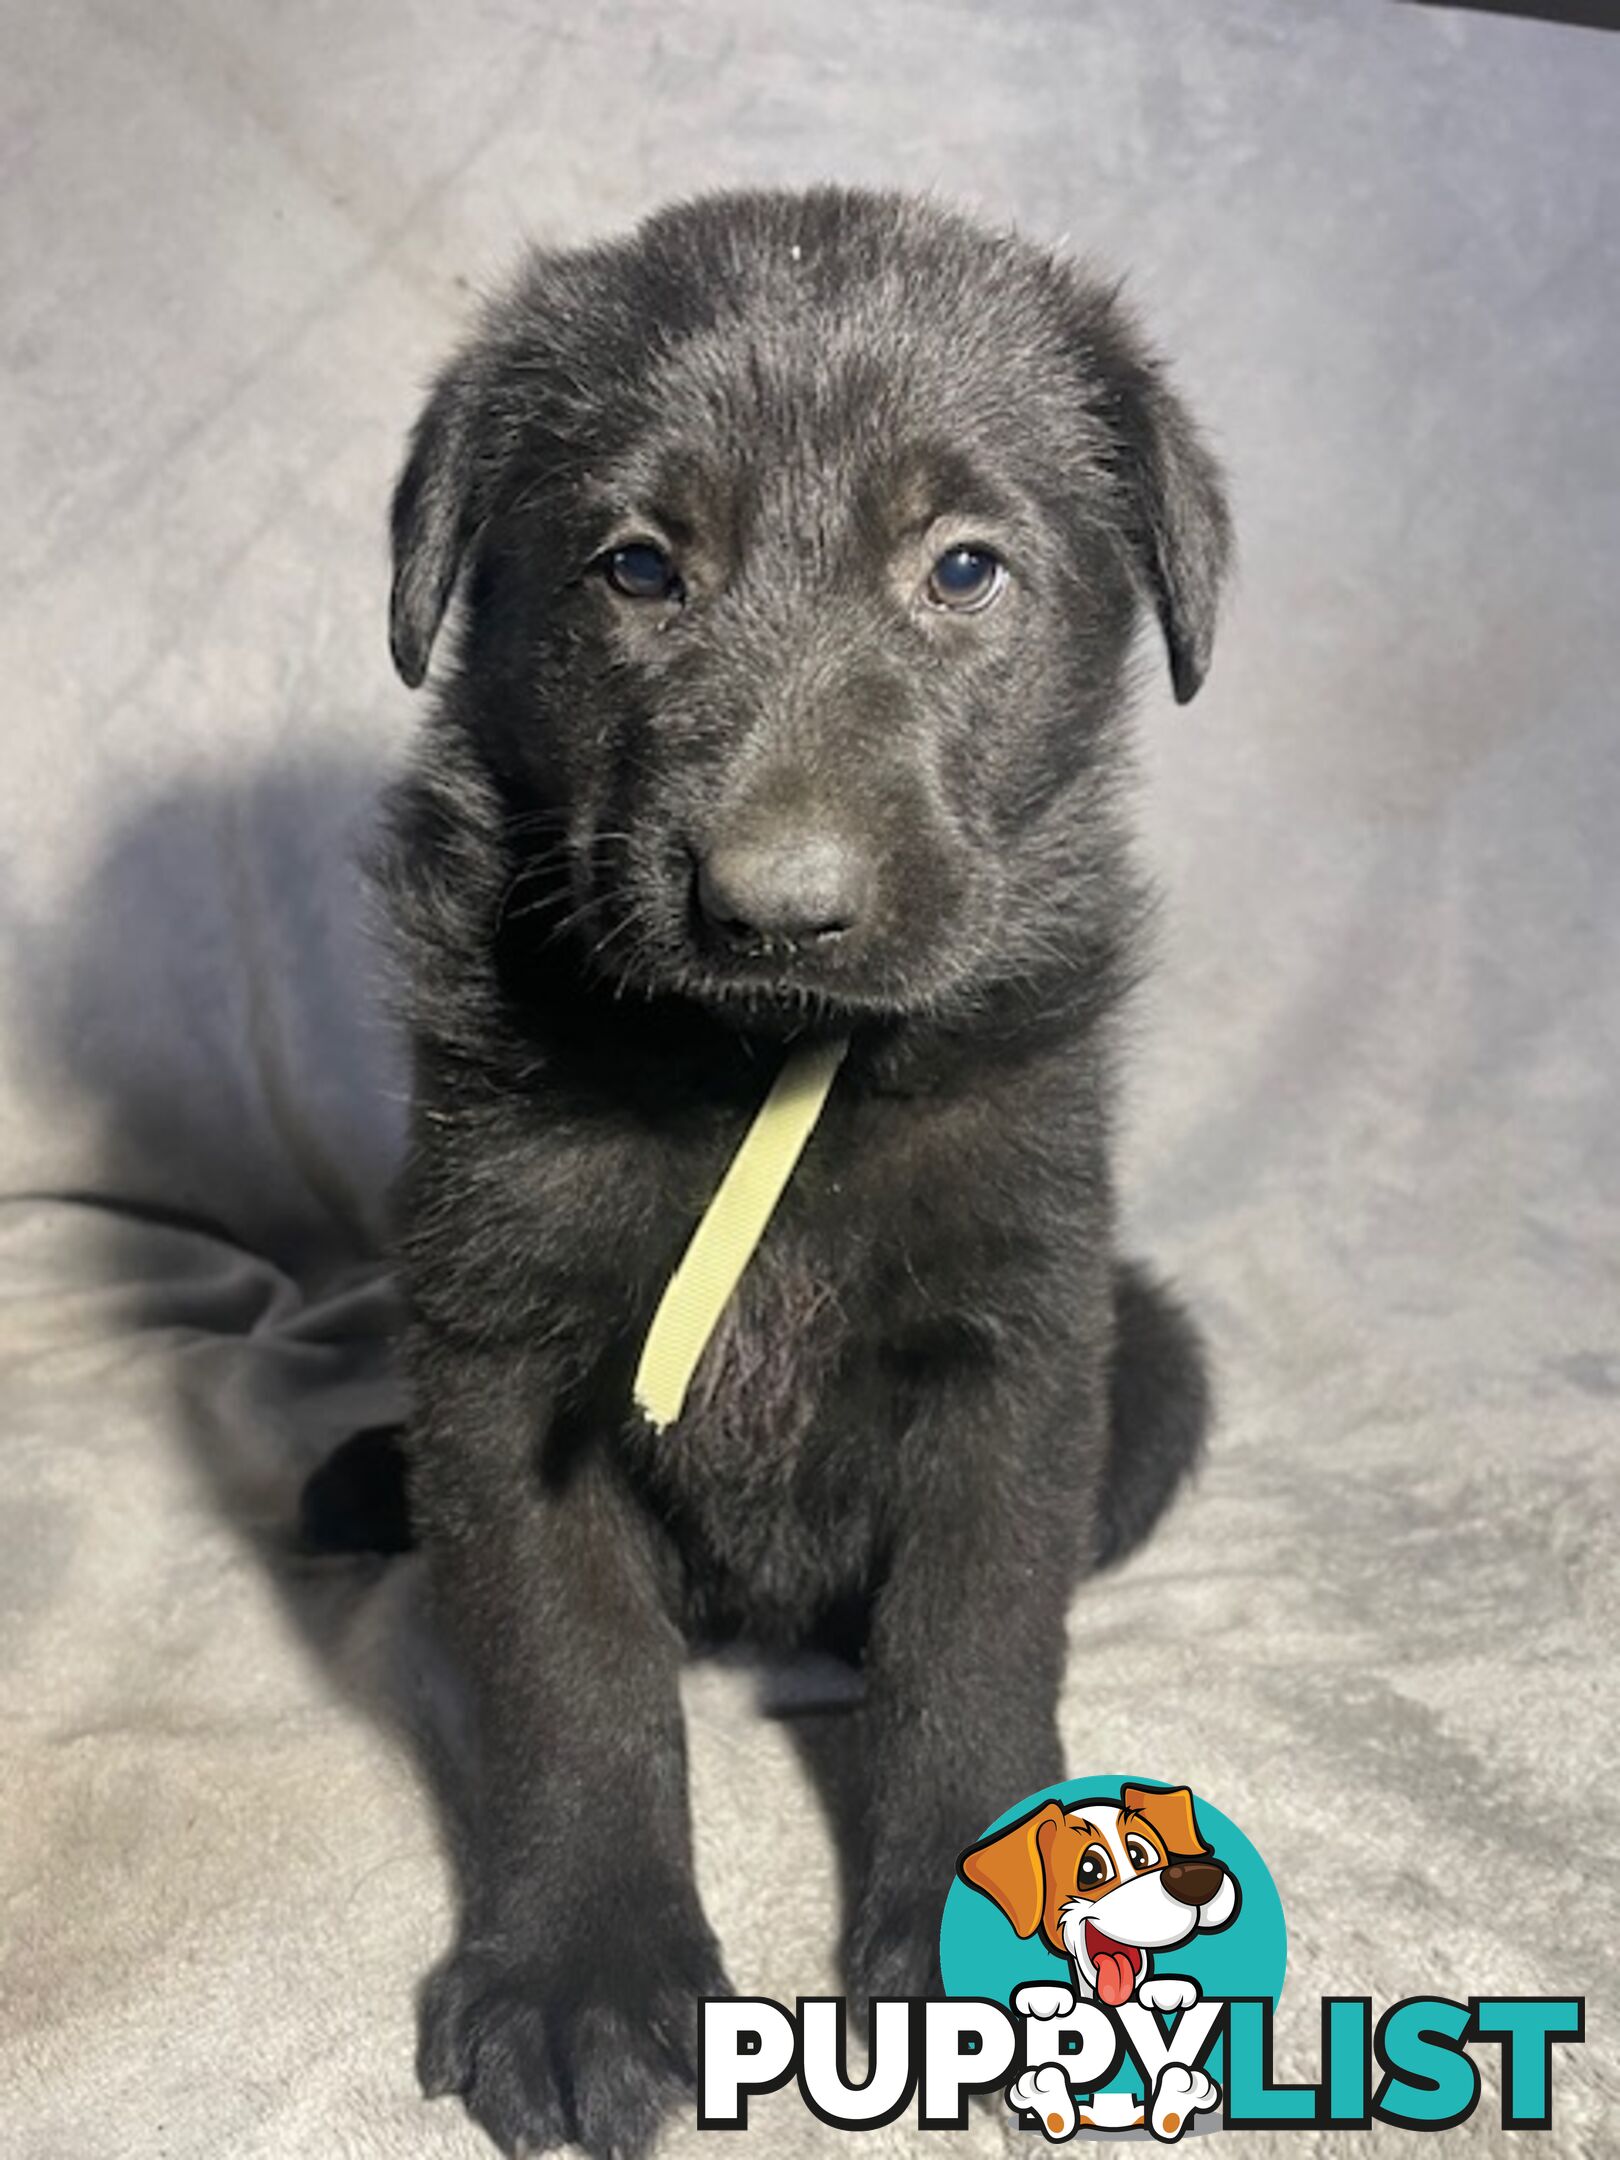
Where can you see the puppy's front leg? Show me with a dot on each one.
(567, 2010)
(964, 1664)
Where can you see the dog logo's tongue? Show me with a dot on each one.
(1117, 1965)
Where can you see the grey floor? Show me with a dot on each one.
(1374, 1123)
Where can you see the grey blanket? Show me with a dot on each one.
(1373, 1129)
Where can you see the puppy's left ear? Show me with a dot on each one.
(1171, 1815)
(1179, 526)
(440, 504)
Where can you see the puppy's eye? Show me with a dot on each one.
(1094, 1869)
(966, 579)
(642, 571)
(1140, 1853)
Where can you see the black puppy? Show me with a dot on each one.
(803, 539)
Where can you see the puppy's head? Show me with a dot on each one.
(1106, 1883)
(802, 539)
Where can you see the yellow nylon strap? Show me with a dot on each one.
(733, 1223)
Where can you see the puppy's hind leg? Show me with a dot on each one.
(1160, 1404)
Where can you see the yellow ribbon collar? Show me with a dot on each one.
(728, 1235)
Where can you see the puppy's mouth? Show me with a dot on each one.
(1117, 1965)
(765, 980)
(818, 966)
(768, 984)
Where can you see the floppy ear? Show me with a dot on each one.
(1171, 1815)
(440, 503)
(1180, 530)
(1010, 1868)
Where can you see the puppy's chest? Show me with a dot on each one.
(764, 1468)
(784, 1467)
(767, 1373)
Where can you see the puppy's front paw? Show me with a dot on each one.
(550, 2052)
(1174, 1992)
(1043, 1999)
(485, 2033)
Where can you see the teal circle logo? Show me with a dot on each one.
(1102, 1884)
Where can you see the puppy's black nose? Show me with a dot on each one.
(1192, 1882)
(793, 891)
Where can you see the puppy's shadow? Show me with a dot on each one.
(217, 1005)
(210, 1008)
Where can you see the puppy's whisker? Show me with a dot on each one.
(582, 912)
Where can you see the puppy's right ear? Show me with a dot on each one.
(1175, 518)
(1010, 1867)
(440, 504)
(1183, 529)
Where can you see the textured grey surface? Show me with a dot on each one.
(1373, 1125)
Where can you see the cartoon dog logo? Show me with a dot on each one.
(1108, 1884)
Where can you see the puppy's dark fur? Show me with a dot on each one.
(939, 1399)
